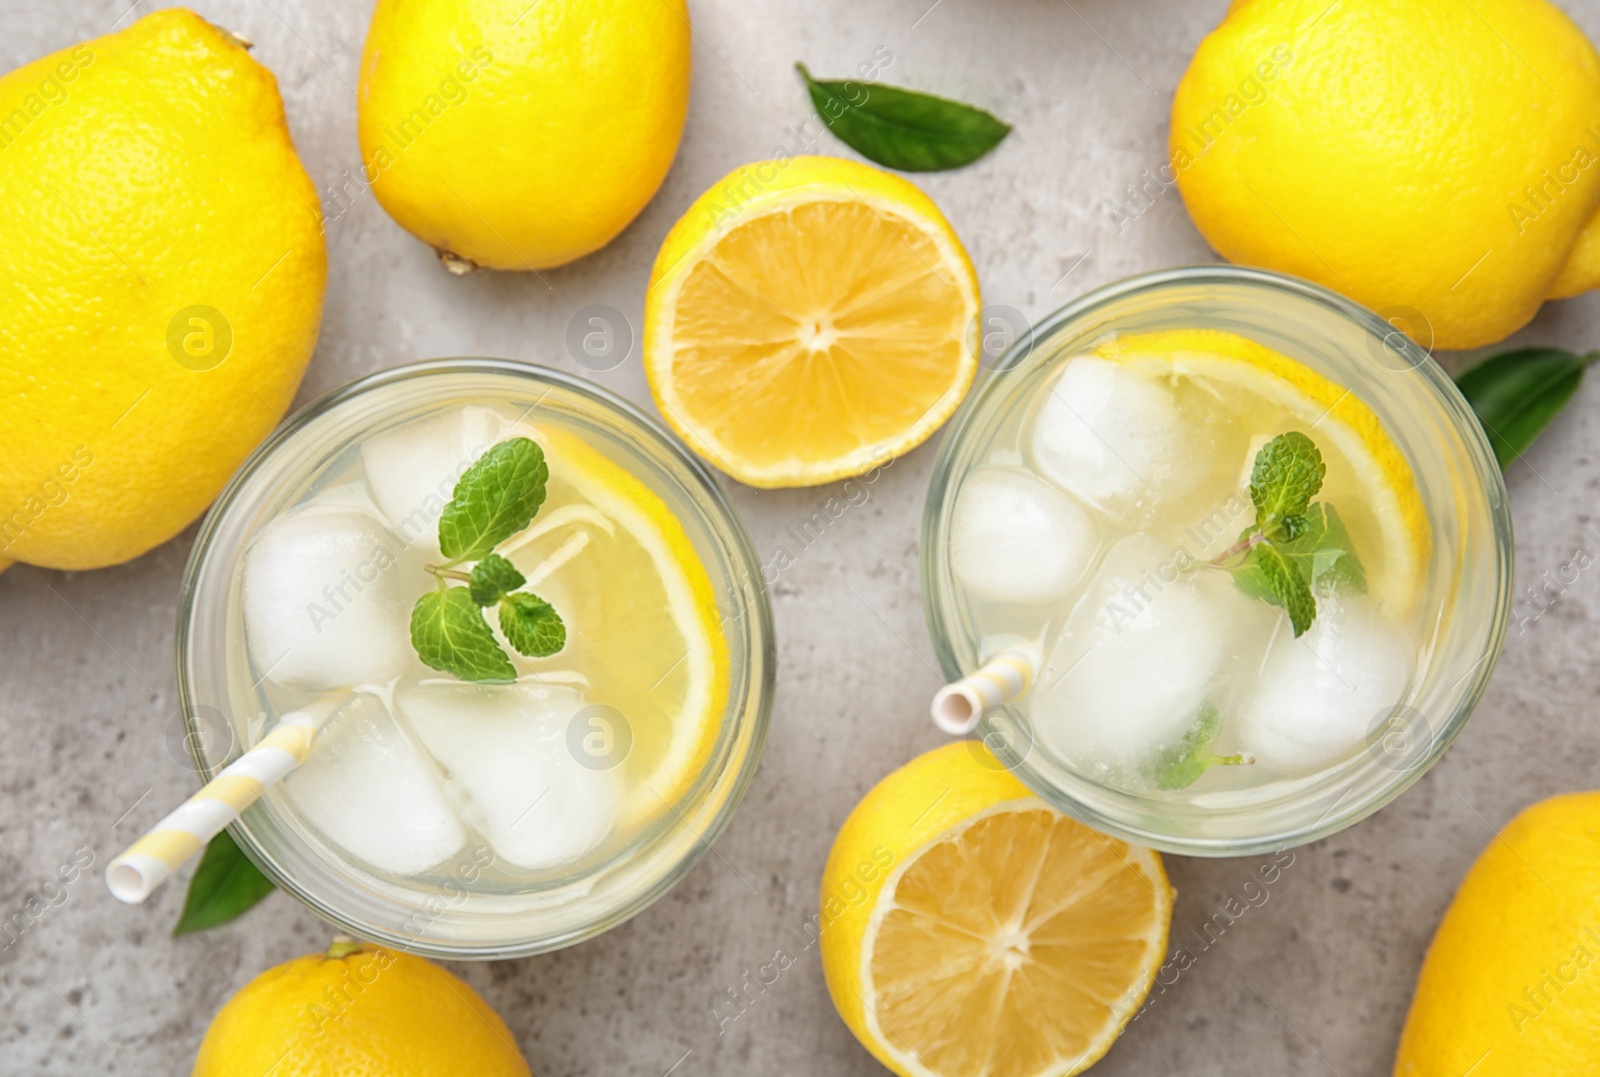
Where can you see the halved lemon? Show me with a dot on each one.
(641, 614)
(809, 319)
(1387, 489)
(970, 930)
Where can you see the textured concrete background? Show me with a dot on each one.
(1317, 977)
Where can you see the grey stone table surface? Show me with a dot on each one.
(1318, 975)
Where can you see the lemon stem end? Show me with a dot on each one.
(342, 946)
(457, 265)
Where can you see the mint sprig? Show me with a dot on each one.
(1295, 544)
(494, 499)
(1180, 765)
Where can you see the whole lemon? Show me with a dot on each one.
(1432, 159)
(516, 135)
(1511, 983)
(166, 250)
(358, 1011)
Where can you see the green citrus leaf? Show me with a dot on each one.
(493, 500)
(532, 625)
(904, 129)
(226, 885)
(1516, 395)
(450, 635)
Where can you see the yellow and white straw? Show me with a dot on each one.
(146, 863)
(1005, 677)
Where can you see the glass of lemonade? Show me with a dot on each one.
(509, 814)
(1254, 542)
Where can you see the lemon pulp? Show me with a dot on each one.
(970, 930)
(641, 614)
(816, 330)
(1008, 949)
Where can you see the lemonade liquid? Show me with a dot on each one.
(1088, 532)
(423, 776)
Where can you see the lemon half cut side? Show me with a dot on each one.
(809, 320)
(1005, 940)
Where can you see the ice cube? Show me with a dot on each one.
(507, 758)
(1138, 657)
(1015, 539)
(369, 791)
(412, 469)
(323, 602)
(348, 494)
(1317, 696)
(1113, 438)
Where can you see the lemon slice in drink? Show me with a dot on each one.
(1385, 488)
(642, 621)
(970, 930)
(808, 320)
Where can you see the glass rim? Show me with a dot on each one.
(1419, 361)
(720, 517)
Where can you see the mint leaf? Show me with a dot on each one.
(1322, 553)
(532, 625)
(1284, 586)
(450, 635)
(226, 885)
(1181, 764)
(1333, 556)
(1286, 475)
(493, 500)
(492, 577)
(904, 129)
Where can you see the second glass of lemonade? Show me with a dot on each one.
(521, 793)
(1251, 542)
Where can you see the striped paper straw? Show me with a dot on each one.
(1005, 677)
(146, 863)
